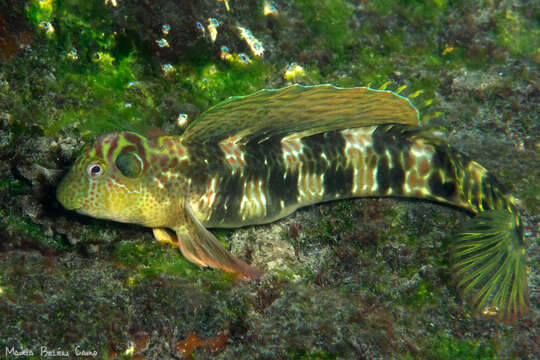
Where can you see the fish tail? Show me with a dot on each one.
(489, 264)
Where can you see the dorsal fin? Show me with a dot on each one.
(298, 108)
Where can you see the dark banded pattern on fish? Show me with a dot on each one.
(255, 159)
(280, 174)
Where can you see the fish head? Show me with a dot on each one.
(106, 180)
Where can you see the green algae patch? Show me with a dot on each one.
(24, 226)
(73, 24)
(21, 226)
(424, 294)
(532, 197)
(444, 346)
(328, 20)
(91, 71)
(39, 11)
(430, 11)
(447, 347)
(151, 259)
(519, 34)
(14, 186)
(106, 100)
(303, 354)
(212, 82)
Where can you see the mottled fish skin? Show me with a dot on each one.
(266, 170)
(264, 180)
(150, 198)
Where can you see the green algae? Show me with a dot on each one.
(212, 82)
(104, 99)
(15, 186)
(519, 34)
(22, 225)
(78, 24)
(449, 347)
(92, 70)
(328, 20)
(430, 11)
(303, 354)
(151, 259)
(424, 294)
(39, 11)
(110, 87)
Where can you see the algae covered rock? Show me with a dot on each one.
(361, 278)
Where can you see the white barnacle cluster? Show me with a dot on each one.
(211, 30)
(46, 14)
(240, 58)
(269, 9)
(130, 349)
(113, 3)
(213, 25)
(47, 27)
(226, 2)
(73, 54)
(254, 44)
(244, 58)
(165, 29)
(167, 69)
(163, 43)
(293, 71)
(225, 53)
(200, 27)
(182, 119)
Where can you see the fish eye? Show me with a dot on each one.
(130, 164)
(94, 170)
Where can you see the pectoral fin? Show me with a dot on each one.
(201, 247)
(165, 236)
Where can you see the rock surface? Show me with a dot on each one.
(362, 279)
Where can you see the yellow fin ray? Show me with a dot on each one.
(489, 265)
(199, 246)
(299, 108)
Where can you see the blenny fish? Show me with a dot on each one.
(257, 158)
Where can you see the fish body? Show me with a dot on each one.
(256, 159)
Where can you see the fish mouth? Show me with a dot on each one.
(67, 200)
(73, 208)
(68, 205)
(79, 210)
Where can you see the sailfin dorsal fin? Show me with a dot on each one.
(299, 108)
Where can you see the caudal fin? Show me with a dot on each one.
(489, 264)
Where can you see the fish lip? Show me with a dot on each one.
(72, 208)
